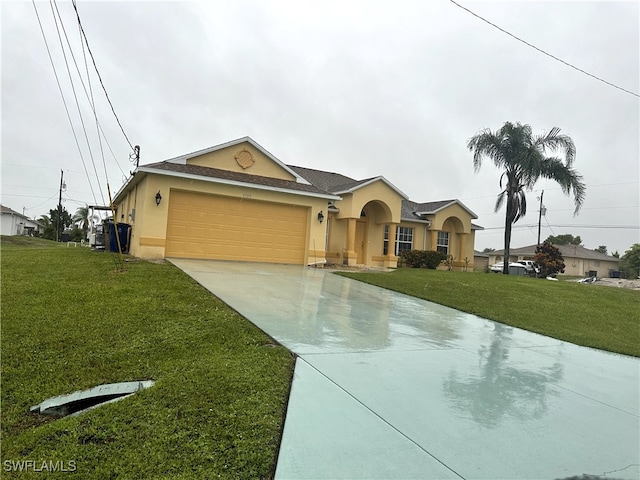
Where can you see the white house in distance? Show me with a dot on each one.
(14, 223)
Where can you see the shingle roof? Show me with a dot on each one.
(201, 171)
(329, 181)
(409, 209)
(567, 251)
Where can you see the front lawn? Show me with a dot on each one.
(595, 316)
(70, 321)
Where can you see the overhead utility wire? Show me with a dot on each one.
(542, 51)
(86, 41)
(89, 98)
(75, 96)
(55, 73)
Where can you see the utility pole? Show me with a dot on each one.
(58, 232)
(543, 211)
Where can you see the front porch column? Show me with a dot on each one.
(350, 256)
(390, 259)
(463, 246)
(434, 240)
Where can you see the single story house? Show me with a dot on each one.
(14, 223)
(579, 261)
(237, 201)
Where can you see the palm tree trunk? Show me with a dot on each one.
(508, 223)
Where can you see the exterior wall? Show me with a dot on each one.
(12, 224)
(225, 160)
(581, 267)
(353, 203)
(149, 228)
(337, 241)
(461, 244)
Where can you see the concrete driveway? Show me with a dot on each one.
(388, 386)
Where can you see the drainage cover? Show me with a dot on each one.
(80, 401)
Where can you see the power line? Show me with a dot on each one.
(519, 227)
(86, 41)
(55, 73)
(75, 96)
(545, 53)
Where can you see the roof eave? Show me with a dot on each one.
(375, 179)
(225, 181)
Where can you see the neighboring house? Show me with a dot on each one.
(480, 260)
(579, 261)
(14, 223)
(236, 201)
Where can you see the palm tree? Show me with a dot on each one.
(523, 157)
(82, 216)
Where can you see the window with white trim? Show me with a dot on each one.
(443, 243)
(404, 239)
(385, 242)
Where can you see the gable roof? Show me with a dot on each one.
(216, 175)
(10, 211)
(337, 183)
(182, 159)
(415, 211)
(567, 251)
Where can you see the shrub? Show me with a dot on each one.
(549, 260)
(422, 258)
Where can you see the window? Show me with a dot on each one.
(385, 247)
(404, 239)
(443, 242)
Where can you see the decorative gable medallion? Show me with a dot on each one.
(244, 158)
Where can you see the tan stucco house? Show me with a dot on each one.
(236, 201)
(578, 261)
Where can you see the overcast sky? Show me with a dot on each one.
(363, 88)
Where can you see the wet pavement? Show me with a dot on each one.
(388, 386)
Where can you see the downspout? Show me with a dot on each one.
(424, 239)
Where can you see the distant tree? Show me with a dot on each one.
(565, 239)
(65, 220)
(630, 262)
(616, 254)
(602, 249)
(49, 230)
(549, 260)
(523, 158)
(488, 250)
(83, 218)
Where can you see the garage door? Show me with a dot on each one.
(226, 228)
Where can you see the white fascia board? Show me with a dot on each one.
(182, 159)
(225, 181)
(415, 220)
(373, 180)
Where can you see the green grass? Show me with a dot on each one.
(70, 321)
(594, 316)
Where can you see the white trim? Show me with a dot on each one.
(182, 159)
(369, 182)
(225, 181)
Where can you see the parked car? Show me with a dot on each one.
(529, 265)
(497, 268)
(515, 268)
